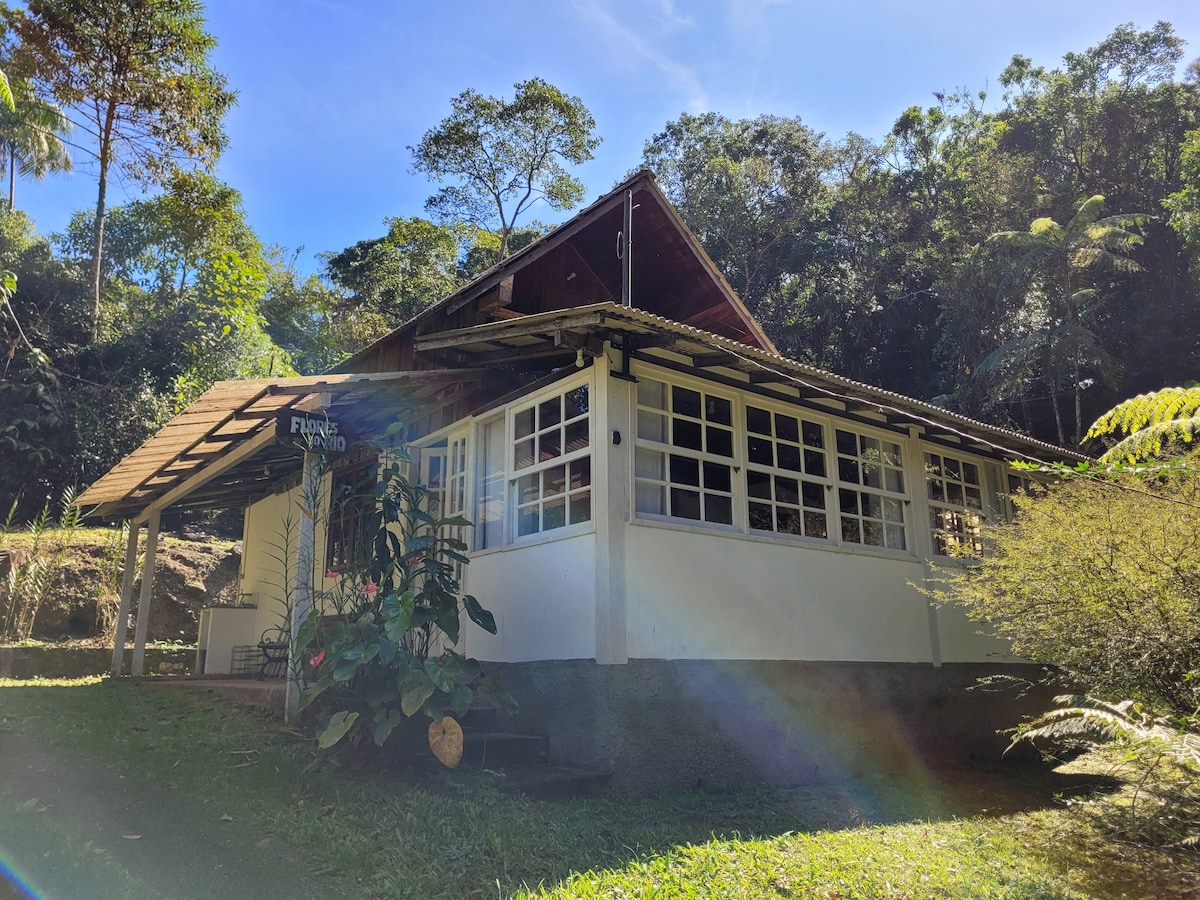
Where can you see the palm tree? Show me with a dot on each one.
(1049, 278)
(31, 138)
(1160, 423)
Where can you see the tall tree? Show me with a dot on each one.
(135, 75)
(1049, 278)
(506, 156)
(32, 138)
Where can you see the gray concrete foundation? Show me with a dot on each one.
(679, 724)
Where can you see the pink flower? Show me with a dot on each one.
(332, 574)
(316, 660)
(370, 588)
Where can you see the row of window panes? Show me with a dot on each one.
(550, 429)
(554, 497)
(955, 491)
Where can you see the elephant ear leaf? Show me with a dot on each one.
(479, 615)
(339, 724)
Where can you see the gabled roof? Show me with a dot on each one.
(577, 264)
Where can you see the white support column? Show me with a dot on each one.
(914, 474)
(611, 508)
(302, 589)
(118, 658)
(143, 614)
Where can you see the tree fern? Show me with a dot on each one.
(1161, 423)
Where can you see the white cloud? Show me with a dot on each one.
(681, 77)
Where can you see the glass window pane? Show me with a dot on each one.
(850, 532)
(816, 525)
(872, 533)
(813, 495)
(686, 402)
(952, 470)
(787, 428)
(846, 443)
(686, 434)
(581, 507)
(576, 435)
(760, 451)
(652, 426)
(848, 502)
(814, 463)
(554, 481)
(720, 441)
(787, 490)
(788, 521)
(550, 445)
(649, 464)
(974, 500)
(685, 504)
(760, 516)
(718, 509)
(894, 535)
(528, 488)
(650, 498)
(970, 473)
(581, 473)
(554, 514)
(717, 477)
(718, 410)
(936, 490)
(954, 493)
(575, 403)
(789, 457)
(872, 506)
(758, 420)
(527, 521)
(549, 413)
(758, 484)
(523, 455)
(651, 393)
(872, 475)
(893, 510)
(685, 470)
(814, 434)
(894, 480)
(523, 422)
(847, 470)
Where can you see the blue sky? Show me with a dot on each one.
(332, 93)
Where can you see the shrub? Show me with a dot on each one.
(389, 655)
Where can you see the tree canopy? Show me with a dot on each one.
(135, 76)
(506, 155)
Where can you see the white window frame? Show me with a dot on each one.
(804, 508)
(514, 475)
(667, 449)
(890, 500)
(955, 524)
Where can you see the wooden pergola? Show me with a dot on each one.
(222, 452)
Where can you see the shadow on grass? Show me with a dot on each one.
(457, 834)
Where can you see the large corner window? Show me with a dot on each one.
(786, 474)
(351, 503)
(684, 455)
(552, 463)
(871, 498)
(955, 490)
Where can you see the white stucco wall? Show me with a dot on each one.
(543, 596)
(696, 595)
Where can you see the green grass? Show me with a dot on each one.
(457, 836)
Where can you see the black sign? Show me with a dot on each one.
(313, 432)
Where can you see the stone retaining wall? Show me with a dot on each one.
(77, 662)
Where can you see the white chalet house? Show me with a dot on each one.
(701, 555)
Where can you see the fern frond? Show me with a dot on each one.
(1165, 439)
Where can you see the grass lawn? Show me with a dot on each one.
(457, 836)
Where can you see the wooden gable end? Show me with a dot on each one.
(579, 264)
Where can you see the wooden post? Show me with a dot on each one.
(310, 502)
(143, 614)
(118, 658)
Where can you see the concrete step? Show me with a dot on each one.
(504, 749)
(554, 782)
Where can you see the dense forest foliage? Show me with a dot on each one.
(1027, 258)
